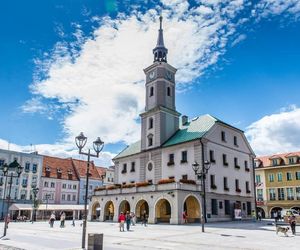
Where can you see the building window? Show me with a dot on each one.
(272, 194)
(34, 168)
(150, 123)
(183, 156)
(260, 194)
(150, 140)
(124, 168)
(151, 91)
(246, 166)
(46, 184)
(184, 177)
(47, 172)
(249, 209)
(212, 182)
(223, 136)
(288, 176)
(74, 187)
(212, 156)
(271, 177)
(247, 187)
(74, 197)
(168, 91)
(280, 192)
(298, 193)
(52, 184)
(236, 163)
(27, 167)
(297, 175)
(214, 207)
(220, 205)
(63, 197)
(132, 167)
(2, 162)
(171, 160)
(290, 193)
(235, 141)
(225, 182)
(257, 178)
(227, 207)
(225, 163)
(237, 186)
(279, 176)
(274, 162)
(291, 160)
(91, 187)
(69, 197)
(150, 166)
(64, 185)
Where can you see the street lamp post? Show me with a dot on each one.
(13, 167)
(201, 173)
(98, 146)
(35, 191)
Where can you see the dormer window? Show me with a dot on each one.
(274, 162)
(292, 160)
(70, 174)
(59, 173)
(48, 170)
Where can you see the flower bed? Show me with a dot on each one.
(112, 187)
(99, 189)
(188, 181)
(129, 185)
(165, 181)
(142, 184)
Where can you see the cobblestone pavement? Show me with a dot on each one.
(229, 235)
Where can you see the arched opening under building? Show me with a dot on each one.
(262, 211)
(96, 210)
(141, 208)
(109, 211)
(163, 211)
(273, 210)
(124, 207)
(192, 208)
(296, 208)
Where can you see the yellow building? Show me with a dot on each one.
(277, 179)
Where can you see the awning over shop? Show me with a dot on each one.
(53, 207)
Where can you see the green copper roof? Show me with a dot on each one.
(132, 149)
(195, 129)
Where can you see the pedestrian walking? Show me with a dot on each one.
(121, 221)
(52, 219)
(259, 215)
(62, 219)
(144, 218)
(279, 215)
(275, 215)
(133, 218)
(253, 215)
(292, 221)
(184, 217)
(128, 220)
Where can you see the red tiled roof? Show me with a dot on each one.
(101, 171)
(80, 167)
(266, 159)
(55, 164)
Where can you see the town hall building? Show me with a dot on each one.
(155, 174)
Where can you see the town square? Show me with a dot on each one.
(154, 124)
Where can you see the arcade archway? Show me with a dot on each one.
(163, 211)
(192, 208)
(275, 209)
(109, 211)
(141, 207)
(96, 210)
(262, 211)
(124, 207)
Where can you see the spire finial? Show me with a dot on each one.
(160, 51)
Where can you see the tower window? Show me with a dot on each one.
(151, 91)
(150, 122)
(169, 91)
(150, 140)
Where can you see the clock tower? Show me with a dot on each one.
(160, 119)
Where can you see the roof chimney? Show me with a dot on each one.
(184, 120)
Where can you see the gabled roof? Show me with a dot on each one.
(80, 167)
(54, 164)
(195, 129)
(265, 160)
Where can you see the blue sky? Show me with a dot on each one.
(65, 62)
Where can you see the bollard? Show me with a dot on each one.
(95, 242)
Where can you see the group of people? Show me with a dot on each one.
(130, 219)
(62, 219)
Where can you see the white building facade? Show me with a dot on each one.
(155, 175)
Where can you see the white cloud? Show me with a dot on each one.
(276, 133)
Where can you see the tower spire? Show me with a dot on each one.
(160, 51)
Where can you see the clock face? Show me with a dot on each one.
(169, 75)
(152, 75)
